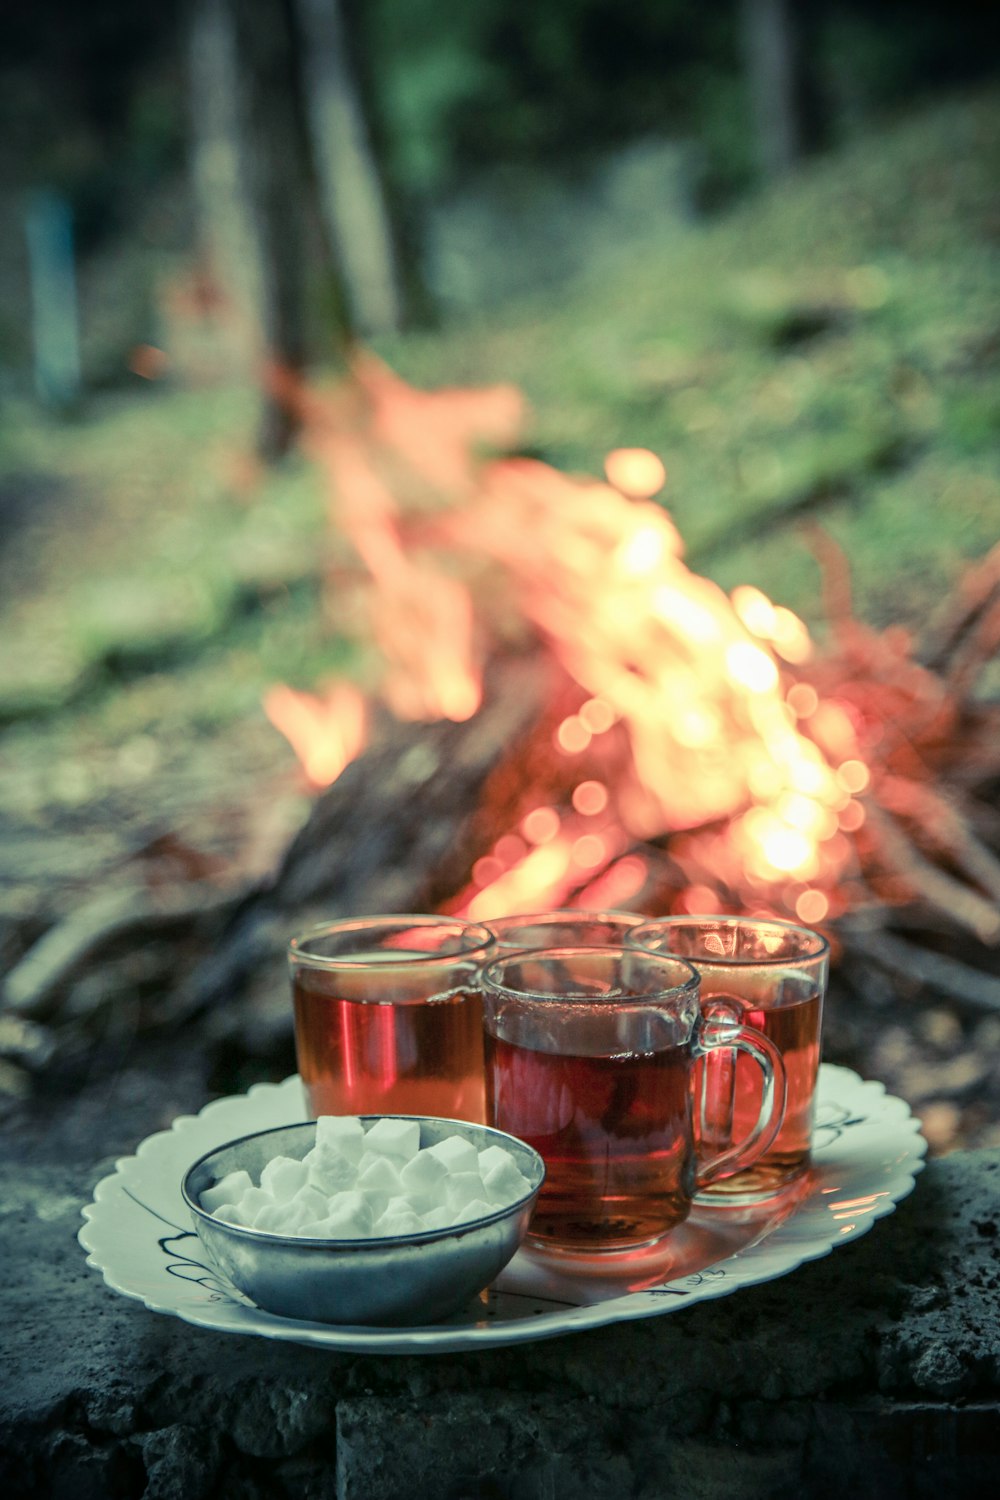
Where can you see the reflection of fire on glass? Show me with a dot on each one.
(363, 1057)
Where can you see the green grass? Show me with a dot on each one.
(829, 350)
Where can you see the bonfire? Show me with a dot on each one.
(691, 750)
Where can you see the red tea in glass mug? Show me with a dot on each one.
(590, 1058)
(772, 975)
(388, 1018)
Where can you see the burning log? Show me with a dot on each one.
(397, 831)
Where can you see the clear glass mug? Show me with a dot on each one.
(388, 1018)
(771, 975)
(569, 928)
(590, 1058)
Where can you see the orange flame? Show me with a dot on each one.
(326, 732)
(752, 773)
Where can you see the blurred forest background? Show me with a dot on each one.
(759, 238)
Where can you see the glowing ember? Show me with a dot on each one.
(590, 797)
(635, 471)
(540, 825)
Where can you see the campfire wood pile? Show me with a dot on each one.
(648, 808)
(473, 795)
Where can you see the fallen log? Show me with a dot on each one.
(397, 831)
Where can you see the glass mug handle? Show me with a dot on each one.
(714, 1033)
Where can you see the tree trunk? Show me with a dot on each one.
(248, 185)
(352, 195)
(277, 188)
(229, 245)
(774, 60)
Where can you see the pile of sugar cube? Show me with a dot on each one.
(357, 1184)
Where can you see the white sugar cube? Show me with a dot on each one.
(251, 1203)
(343, 1133)
(228, 1189)
(464, 1187)
(282, 1177)
(397, 1138)
(399, 1218)
(228, 1213)
(423, 1178)
(353, 1203)
(331, 1172)
(283, 1217)
(379, 1181)
(475, 1209)
(458, 1154)
(314, 1229)
(493, 1156)
(504, 1183)
(350, 1218)
(438, 1218)
(310, 1198)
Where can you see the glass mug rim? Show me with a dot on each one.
(687, 988)
(817, 946)
(480, 941)
(562, 916)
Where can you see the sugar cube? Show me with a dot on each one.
(342, 1133)
(282, 1177)
(379, 1181)
(283, 1217)
(309, 1197)
(350, 1217)
(423, 1179)
(228, 1189)
(399, 1220)
(476, 1208)
(458, 1154)
(397, 1138)
(504, 1183)
(314, 1229)
(330, 1172)
(438, 1218)
(251, 1203)
(228, 1213)
(464, 1187)
(493, 1156)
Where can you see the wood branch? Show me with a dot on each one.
(943, 825)
(975, 595)
(968, 909)
(975, 651)
(32, 986)
(835, 576)
(949, 975)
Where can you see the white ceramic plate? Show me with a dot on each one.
(867, 1150)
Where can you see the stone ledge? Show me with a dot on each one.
(875, 1370)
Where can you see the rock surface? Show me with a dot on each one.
(874, 1372)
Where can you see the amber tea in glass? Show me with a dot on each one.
(772, 975)
(590, 1056)
(388, 1018)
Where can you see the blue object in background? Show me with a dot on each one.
(54, 317)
